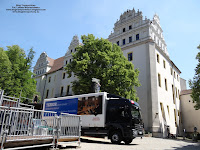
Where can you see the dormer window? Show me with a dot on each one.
(124, 29)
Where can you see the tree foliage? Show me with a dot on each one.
(15, 72)
(195, 83)
(99, 58)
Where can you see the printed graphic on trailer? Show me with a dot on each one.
(63, 106)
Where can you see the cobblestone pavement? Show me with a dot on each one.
(146, 143)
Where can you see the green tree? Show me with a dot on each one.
(195, 83)
(5, 72)
(20, 75)
(99, 58)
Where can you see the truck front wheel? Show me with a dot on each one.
(116, 137)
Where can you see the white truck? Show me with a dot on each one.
(102, 114)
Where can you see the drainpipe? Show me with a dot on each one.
(44, 88)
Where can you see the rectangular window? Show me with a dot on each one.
(64, 75)
(118, 43)
(177, 77)
(159, 80)
(130, 27)
(49, 79)
(124, 29)
(173, 93)
(130, 39)
(124, 41)
(137, 37)
(171, 71)
(47, 93)
(55, 78)
(164, 65)
(174, 74)
(68, 90)
(176, 93)
(158, 58)
(61, 91)
(162, 110)
(168, 110)
(130, 56)
(175, 117)
(166, 84)
(66, 62)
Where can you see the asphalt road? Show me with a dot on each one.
(146, 143)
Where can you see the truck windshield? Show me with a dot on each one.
(135, 112)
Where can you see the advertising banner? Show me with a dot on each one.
(63, 106)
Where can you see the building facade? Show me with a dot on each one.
(142, 42)
(51, 77)
(190, 116)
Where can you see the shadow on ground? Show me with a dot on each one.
(69, 147)
(188, 147)
(103, 142)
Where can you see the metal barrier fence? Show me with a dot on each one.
(12, 101)
(69, 128)
(24, 127)
(19, 124)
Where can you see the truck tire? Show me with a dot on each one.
(116, 137)
(128, 141)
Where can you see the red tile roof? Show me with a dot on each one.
(57, 64)
(185, 92)
(51, 61)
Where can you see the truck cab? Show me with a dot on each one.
(123, 119)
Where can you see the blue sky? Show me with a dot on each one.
(52, 30)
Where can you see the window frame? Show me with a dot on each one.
(124, 41)
(159, 80)
(158, 58)
(63, 75)
(124, 30)
(164, 64)
(128, 54)
(49, 80)
(130, 39)
(137, 36)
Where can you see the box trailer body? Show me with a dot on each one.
(80, 106)
(102, 114)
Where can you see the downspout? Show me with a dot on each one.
(44, 88)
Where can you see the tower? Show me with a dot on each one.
(142, 42)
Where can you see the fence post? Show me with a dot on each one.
(80, 122)
(1, 96)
